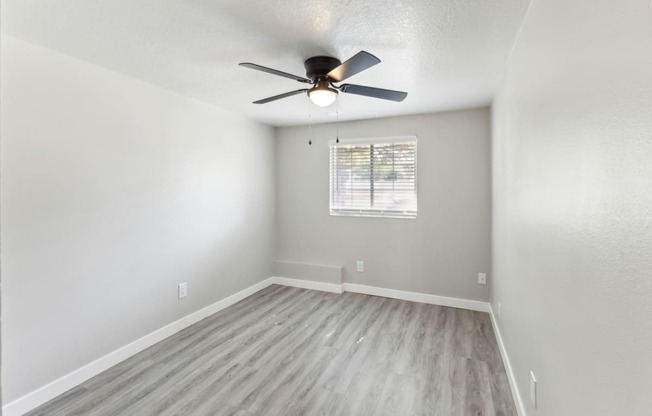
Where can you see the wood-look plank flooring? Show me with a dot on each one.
(288, 351)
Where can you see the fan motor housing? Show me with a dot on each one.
(318, 66)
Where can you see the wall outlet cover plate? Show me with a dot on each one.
(183, 290)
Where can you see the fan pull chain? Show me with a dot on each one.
(337, 119)
(309, 124)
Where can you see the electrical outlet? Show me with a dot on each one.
(359, 266)
(533, 390)
(482, 278)
(183, 290)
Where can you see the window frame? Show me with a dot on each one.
(371, 212)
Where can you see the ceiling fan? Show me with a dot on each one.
(322, 72)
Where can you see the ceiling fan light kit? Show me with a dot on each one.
(322, 94)
(322, 72)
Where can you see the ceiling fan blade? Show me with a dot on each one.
(274, 72)
(373, 92)
(278, 97)
(357, 63)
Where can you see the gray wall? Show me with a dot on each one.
(572, 210)
(440, 252)
(113, 192)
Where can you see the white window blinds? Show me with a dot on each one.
(374, 177)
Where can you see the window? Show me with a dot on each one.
(374, 177)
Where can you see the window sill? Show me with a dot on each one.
(370, 214)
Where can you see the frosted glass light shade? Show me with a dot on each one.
(323, 97)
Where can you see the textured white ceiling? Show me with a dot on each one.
(447, 54)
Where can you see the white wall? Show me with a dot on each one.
(438, 253)
(572, 207)
(113, 192)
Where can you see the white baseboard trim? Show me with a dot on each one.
(516, 394)
(473, 305)
(46, 393)
(307, 284)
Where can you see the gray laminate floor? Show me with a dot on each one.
(287, 351)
